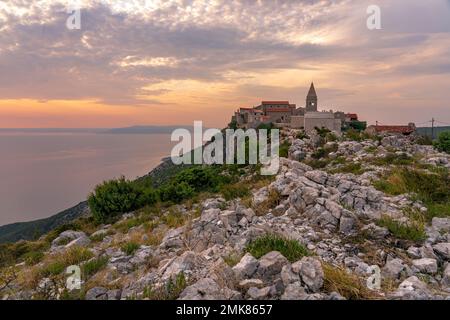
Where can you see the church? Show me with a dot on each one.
(284, 114)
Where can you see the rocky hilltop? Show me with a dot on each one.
(345, 218)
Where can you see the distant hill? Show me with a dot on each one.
(426, 131)
(33, 229)
(146, 129)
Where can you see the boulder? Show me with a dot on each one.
(246, 268)
(446, 277)
(443, 250)
(311, 272)
(441, 224)
(97, 293)
(270, 265)
(186, 263)
(258, 294)
(204, 289)
(294, 291)
(288, 276)
(393, 269)
(426, 265)
(248, 283)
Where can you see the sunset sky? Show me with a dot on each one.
(172, 61)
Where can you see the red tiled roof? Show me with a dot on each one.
(398, 129)
(275, 102)
(352, 115)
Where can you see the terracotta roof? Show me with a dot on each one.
(352, 115)
(275, 102)
(398, 129)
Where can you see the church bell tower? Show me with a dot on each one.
(311, 100)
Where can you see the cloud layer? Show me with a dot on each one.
(152, 59)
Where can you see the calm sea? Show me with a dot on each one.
(44, 173)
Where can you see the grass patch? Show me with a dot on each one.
(347, 285)
(291, 249)
(273, 200)
(284, 149)
(170, 291)
(58, 263)
(414, 231)
(129, 248)
(234, 191)
(232, 259)
(401, 159)
(432, 188)
(93, 266)
(354, 167)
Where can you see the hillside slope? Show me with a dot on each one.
(338, 212)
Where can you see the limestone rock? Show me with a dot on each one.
(270, 265)
(426, 265)
(311, 272)
(246, 268)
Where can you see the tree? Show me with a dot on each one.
(443, 142)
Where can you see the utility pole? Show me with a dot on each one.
(432, 128)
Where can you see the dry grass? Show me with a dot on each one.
(273, 200)
(348, 285)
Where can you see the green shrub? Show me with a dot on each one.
(129, 248)
(284, 149)
(117, 196)
(443, 142)
(414, 231)
(302, 135)
(291, 249)
(424, 140)
(354, 135)
(322, 132)
(93, 266)
(319, 153)
(176, 193)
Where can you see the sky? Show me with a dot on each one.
(168, 62)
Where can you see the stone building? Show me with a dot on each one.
(285, 114)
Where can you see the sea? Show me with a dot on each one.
(44, 172)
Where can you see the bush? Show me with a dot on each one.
(414, 231)
(176, 193)
(118, 196)
(354, 135)
(291, 249)
(129, 248)
(284, 149)
(443, 142)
